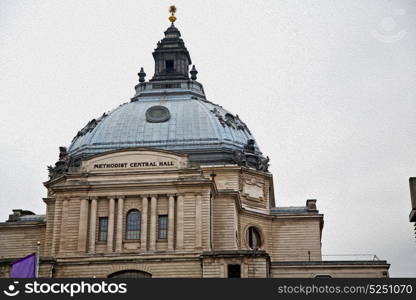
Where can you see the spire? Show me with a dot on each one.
(171, 57)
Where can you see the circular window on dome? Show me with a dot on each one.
(157, 114)
(253, 238)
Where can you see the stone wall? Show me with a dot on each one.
(19, 240)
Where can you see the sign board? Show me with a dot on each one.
(133, 160)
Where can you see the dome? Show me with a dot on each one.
(169, 112)
(192, 125)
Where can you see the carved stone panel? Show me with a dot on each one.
(252, 188)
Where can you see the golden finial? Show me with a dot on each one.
(172, 10)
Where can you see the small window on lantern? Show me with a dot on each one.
(169, 66)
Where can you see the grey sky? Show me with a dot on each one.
(327, 88)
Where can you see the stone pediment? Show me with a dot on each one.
(135, 160)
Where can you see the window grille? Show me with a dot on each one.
(133, 225)
(163, 227)
(102, 228)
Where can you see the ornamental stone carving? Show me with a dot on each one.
(61, 166)
(90, 126)
(252, 188)
(249, 158)
(229, 120)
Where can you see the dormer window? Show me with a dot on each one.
(169, 66)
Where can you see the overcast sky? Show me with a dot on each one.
(326, 87)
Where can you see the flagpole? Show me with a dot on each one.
(37, 260)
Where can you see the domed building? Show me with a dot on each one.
(170, 184)
(170, 112)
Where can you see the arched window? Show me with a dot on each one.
(130, 274)
(133, 225)
(253, 238)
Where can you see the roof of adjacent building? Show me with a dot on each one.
(24, 216)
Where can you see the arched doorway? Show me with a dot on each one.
(130, 274)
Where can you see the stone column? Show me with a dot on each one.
(57, 221)
(63, 223)
(83, 225)
(143, 229)
(119, 232)
(153, 211)
(93, 224)
(110, 232)
(179, 223)
(198, 222)
(171, 222)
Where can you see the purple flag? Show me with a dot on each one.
(24, 267)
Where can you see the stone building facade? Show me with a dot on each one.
(412, 215)
(170, 185)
